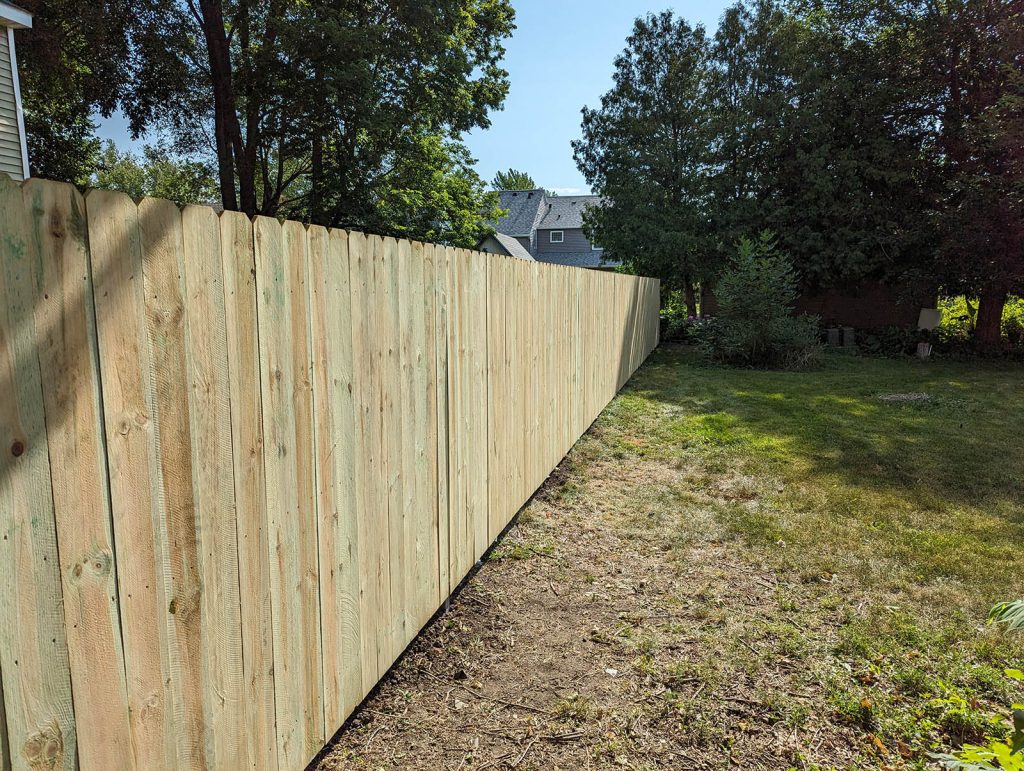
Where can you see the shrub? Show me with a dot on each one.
(755, 326)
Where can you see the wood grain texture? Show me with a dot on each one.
(166, 329)
(333, 388)
(239, 274)
(33, 649)
(281, 274)
(214, 490)
(129, 426)
(68, 360)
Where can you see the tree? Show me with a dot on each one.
(645, 151)
(83, 58)
(312, 102)
(304, 108)
(156, 174)
(972, 55)
(513, 179)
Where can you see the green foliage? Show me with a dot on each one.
(346, 113)
(1009, 613)
(435, 195)
(677, 324)
(513, 179)
(755, 325)
(960, 313)
(82, 58)
(156, 174)
(645, 149)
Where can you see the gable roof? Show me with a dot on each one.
(512, 246)
(524, 207)
(566, 211)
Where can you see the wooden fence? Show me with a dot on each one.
(243, 463)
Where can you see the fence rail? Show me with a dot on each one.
(243, 463)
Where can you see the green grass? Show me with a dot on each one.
(896, 523)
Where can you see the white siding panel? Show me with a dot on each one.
(10, 136)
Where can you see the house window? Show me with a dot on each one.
(595, 248)
(557, 236)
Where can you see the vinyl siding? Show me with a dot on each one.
(10, 137)
(574, 241)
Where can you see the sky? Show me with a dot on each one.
(559, 59)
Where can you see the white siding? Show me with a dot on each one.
(10, 136)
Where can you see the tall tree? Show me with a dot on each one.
(645, 150)
(972, 54)
(513, 179)
(332, 92)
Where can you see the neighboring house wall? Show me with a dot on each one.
(11, 156)
(573, 240)
(525, 241)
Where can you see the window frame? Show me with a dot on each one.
(551, 237)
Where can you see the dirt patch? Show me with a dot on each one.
(587, 642)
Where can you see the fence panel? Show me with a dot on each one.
(244, 462)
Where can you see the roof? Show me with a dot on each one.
(589, 259)
(523, 210)
(13, 16)
(512, 246)
(566, 211)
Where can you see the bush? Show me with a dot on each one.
(677, 325)
(755, 326)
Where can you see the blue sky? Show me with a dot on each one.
(559, 59)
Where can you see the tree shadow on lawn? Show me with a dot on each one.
(939, 479)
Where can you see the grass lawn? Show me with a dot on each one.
(738, 568)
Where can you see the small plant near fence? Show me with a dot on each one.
(1003, 750)
(755, 325)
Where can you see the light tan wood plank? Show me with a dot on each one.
(214, 490)
(129, 425)
(166, 322)
(333, 384)
(366, 450)
(239, 274)
(33, 648)
(65, 332)
(281, 275)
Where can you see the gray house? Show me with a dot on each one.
(13, 149)
(545, 228)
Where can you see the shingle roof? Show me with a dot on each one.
(589, 259)
(566, 211)
(523, 209)
(513, 247)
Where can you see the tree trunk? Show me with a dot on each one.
(228, 133)
(988, 329)
(691, 298)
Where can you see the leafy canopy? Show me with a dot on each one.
(513, 179)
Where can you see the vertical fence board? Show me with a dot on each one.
(239, 273)
(366, 428)
(33, 650)
(443, 418)
(166, 322)
(336, 501)
(130, 420)
(214, 488)
(281, 271)
(66, 331)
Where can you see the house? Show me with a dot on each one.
(13, 148)
(546, 228)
